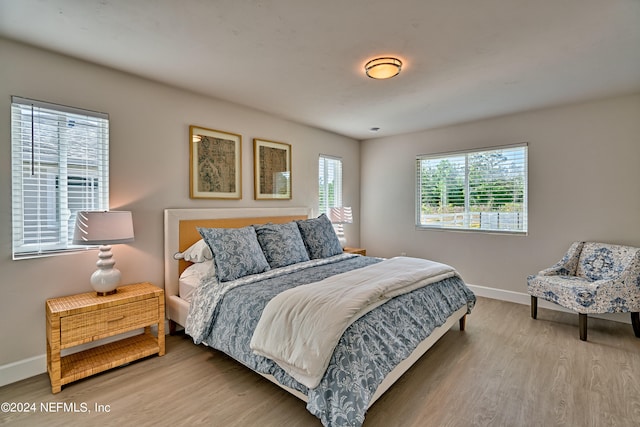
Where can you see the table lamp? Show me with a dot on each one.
(339, 216)
(104, 228)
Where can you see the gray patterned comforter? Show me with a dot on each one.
(380, 339)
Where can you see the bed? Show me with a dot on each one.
(373, 350)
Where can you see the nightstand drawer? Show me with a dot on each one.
(86, 327)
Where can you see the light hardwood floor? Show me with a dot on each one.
(506, 369)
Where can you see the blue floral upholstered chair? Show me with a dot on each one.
(592, 278)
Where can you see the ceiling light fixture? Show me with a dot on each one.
(383, 68)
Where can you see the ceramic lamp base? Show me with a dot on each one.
(106, 278)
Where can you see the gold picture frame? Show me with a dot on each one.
(272, 170)
(215, 164)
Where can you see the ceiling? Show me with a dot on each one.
(303, 60)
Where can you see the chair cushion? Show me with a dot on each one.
(600, 261)
(568, 291)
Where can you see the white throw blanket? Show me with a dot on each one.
(300, 327)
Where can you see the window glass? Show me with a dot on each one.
(60, 165)
(329, 183)
(484, 190)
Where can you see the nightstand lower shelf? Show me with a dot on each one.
(98, 359)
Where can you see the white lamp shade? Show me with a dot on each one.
(103, 228)
(341, 215)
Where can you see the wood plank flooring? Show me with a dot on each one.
(506, 369)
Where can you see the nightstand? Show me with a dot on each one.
(358, 251)
(83, 318)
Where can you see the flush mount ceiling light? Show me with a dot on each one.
(383, 68)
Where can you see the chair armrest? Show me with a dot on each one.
(568, 265)
(616, 296)
(630, 276)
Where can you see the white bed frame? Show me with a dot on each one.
(178, 309)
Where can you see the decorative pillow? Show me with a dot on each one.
(198, 252)
(319, 237)
(281, 243)
(236, 252)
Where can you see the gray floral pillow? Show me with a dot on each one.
(319, 237)
(236, 252)
(281, 243)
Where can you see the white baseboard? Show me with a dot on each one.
(23, 369)
(525, 299)
(27, 368)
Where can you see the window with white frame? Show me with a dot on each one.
(60, 165)
(481, 190)
(329, 183)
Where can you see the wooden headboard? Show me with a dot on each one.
(180, 231)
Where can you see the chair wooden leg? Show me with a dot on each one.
(582, 323)
(635, 322)
(534, 307)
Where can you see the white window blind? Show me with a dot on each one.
(330, 183)
(60, 165)
(483, 190)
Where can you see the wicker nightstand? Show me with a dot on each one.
(83, 318)
(359, 251)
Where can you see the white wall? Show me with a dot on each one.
(584, 180)
(149, 127)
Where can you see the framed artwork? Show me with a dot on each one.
(215, 163)
(272, 170)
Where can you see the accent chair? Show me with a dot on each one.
(591, 278)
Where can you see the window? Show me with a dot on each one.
(475, 190)
(60, 165)
(330, 183)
